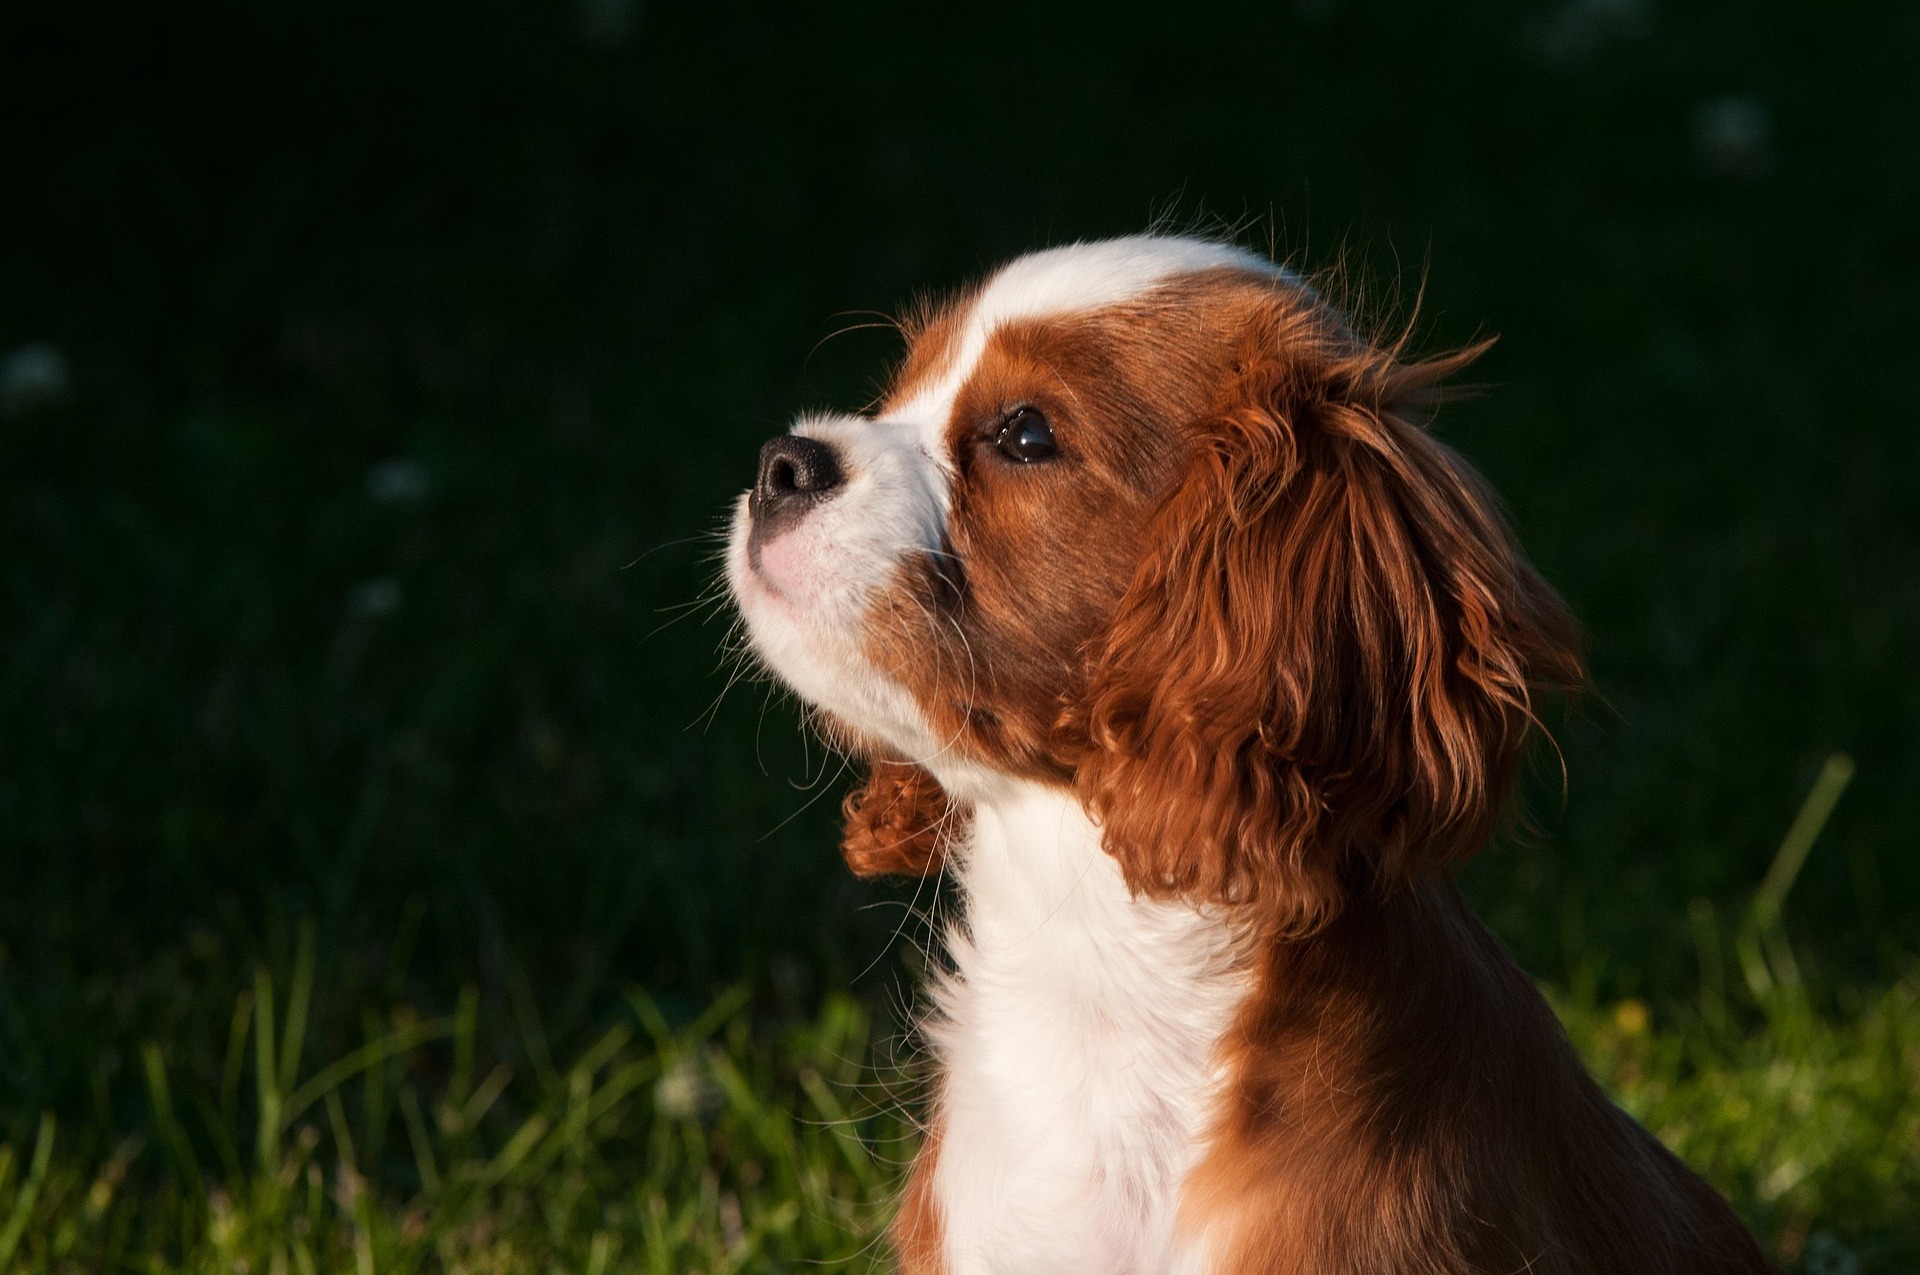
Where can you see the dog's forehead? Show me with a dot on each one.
(1088, 276)
(1050, 284)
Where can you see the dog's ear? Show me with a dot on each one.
(897, 823)
(1322, 674)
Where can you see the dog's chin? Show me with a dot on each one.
(806, 630)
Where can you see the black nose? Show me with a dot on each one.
(795, 475)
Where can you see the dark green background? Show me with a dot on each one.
(579, 274)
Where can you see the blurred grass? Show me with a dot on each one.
(414, 349)
(658, 1149)
(731, 1145)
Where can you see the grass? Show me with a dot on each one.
(384, 875)
(658, 1149)
(730, 1144)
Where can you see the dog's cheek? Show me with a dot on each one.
(910, 626)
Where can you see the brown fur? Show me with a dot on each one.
(1322, 673)
(918, 1233)
(896, 823)
(932, 332)
(1403, 1101)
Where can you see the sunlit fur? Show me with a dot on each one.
(1321, 675)
(1198, 716)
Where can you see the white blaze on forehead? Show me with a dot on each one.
(1073, 279)
(1086, 276)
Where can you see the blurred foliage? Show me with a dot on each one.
(372, 376)
(702, 1148)
(726, 1146)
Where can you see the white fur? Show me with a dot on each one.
(1078, 1028)
(1078, 1033)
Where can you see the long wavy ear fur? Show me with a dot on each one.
(897, 823)
(1322, 675)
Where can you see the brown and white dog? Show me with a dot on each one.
(1174, 638)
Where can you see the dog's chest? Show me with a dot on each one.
(1078, 1038)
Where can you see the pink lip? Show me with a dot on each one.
(759, 572)
(751, 580)
(765, 583)
(786, 565)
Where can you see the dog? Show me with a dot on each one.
(1173, 638)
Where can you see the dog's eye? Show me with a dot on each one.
(1027, 437)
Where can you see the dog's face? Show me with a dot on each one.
(1143, 518)
(930, 575)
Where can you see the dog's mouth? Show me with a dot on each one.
(757, 577)
(782, 569)
(947, 574)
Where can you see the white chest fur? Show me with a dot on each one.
(1078, 1036)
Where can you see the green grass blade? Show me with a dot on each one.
(266, 1074)
(421, 1142)
(1770, 900)
(1766, 957)
(369, 1055)
(29, 1195)
(160, 1101)
(299, 1002)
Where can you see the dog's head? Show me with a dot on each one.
(1146, 520)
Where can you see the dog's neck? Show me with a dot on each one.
(1039, 889)
(1079, 1035)
(1093, 1042)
